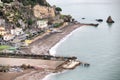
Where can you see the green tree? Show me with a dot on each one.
(58, 9)
(30, 21)
(7, 1)
(33, 2)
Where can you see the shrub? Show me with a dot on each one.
(24, 66)
(7, 1)
(58, 9)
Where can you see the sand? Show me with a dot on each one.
(12, 75)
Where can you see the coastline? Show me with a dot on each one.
(42, 45)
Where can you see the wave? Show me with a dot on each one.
(54, 48)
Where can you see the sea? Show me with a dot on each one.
(98, 46)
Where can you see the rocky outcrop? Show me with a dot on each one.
(43, 11)
(99, 20)
(109, 20)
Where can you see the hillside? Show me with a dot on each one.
(28, 2)
(20, 13)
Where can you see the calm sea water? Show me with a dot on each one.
(98, 46)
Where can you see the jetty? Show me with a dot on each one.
(59, 62)
(71, 64)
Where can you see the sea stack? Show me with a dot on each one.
(109, 20)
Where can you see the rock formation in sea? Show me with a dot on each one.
(109, 20)
(99, 20)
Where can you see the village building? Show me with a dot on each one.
(42, 24)
(2, 31)
(17, 31)
(2, 22)
(8, 37)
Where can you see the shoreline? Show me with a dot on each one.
(53, 49)
(43, 45)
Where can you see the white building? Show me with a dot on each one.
(0, 1)
(2, 22)
(17, 31)
(8, 37)
(2, 31)
(42, 24)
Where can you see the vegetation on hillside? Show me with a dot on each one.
(29, 2)
(7, 1)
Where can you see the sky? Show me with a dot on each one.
(85, 1)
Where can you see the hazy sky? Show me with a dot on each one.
(85, 1)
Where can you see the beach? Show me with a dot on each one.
(42, 45)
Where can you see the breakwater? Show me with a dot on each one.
(33, 56)
(45, 61)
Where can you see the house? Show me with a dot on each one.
(8, 37)
(2, 21)
(42, 24)
(2, 31)
(17, 31)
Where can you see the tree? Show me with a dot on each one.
(30, 21)
(7, 1)
(58, 10)
(1, 36)
(1, 13)
(33, 2)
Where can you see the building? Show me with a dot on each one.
(2, 22)
(42, 24)
(8, 37)
(17, 31)
(2, 31)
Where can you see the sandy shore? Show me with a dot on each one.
(44, 44)
(34, 75)
(43, 68)
(12, 75)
